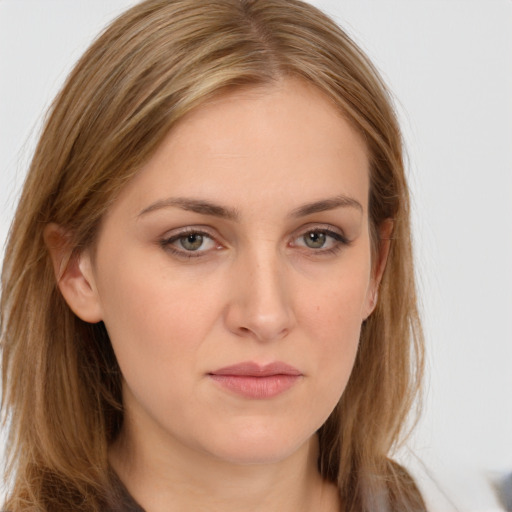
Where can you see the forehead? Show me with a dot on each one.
(285, 142)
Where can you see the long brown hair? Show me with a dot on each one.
(60, 379)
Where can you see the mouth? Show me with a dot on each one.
(252, 380)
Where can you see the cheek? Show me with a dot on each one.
(334, 302)
(152, 319)
(332, 317)
(336, 328)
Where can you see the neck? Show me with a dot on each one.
(168, 479)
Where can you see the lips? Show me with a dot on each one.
(252, 380)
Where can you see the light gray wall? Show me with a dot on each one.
(449, 64)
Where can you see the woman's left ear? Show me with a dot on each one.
(385, 232)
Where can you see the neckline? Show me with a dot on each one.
(119, 499)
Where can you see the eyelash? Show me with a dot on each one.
(167, 243)
(340, 241)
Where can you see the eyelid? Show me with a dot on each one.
(323, 228)
(335, 233)
(167, 241)
(340, 239)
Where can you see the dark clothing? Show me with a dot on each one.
(121, 501)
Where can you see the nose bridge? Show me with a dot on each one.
(261, 305)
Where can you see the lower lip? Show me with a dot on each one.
(256, 387)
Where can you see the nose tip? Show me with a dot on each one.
(260, 306)
(263, 328)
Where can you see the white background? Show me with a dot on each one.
(449, 63)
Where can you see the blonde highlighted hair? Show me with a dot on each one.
(156, 62)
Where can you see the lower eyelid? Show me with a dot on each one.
(338, 238)
(171, 244)
(338, 241)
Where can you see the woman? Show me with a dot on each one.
(208, 294)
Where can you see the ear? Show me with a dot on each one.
(385, 231)
(74, 274)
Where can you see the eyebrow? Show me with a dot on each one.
(193, 205)
(208, 208)
(332, 203)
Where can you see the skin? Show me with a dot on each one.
(253, 291)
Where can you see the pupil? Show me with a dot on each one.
(192, 242)
(315, 240)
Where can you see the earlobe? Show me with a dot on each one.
(74, 274)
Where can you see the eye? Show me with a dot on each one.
(321, 240)
(189, 243)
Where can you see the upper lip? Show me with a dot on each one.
(252, 369)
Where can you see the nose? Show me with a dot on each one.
(260, 305)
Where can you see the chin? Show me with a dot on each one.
(253, 445)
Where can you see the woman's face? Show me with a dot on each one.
(233, 274)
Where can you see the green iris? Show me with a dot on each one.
(191, 242)
(315, 239)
